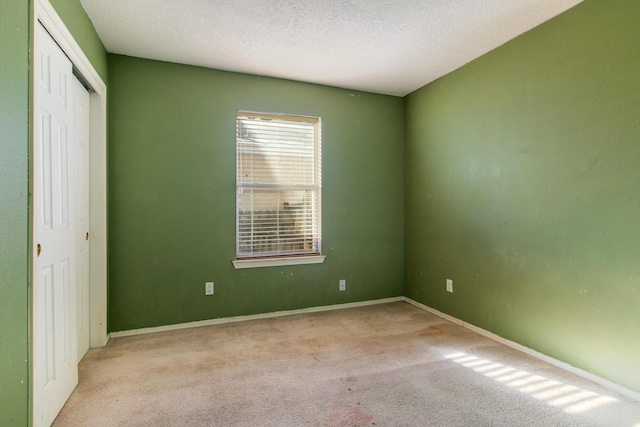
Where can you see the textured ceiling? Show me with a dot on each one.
(384, 46)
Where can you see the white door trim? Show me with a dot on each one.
(45, 13)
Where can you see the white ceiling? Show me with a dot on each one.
(384, 46)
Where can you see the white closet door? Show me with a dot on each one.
(81, 138)
(54, 231)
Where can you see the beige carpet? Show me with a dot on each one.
(383, 365)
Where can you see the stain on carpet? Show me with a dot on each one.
(436, 330)
(343, 415)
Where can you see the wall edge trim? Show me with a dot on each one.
(541, 356)
(233, 319)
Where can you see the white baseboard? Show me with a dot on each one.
(251, 317)
(552, 361)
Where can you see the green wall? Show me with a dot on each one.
(172, 195)
(522, 184)
(14, 128)
(79, 24)
(15, 39)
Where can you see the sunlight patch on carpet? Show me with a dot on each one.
(571, 399)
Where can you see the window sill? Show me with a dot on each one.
(277, 261)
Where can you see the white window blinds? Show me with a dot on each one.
(278, 185)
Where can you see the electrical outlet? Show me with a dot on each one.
(342, 286)
(208, 288)
(449, 285)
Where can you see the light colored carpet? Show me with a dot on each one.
(384, 365)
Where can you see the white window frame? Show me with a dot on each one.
(253, 260)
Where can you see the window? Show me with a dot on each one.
(278, 187)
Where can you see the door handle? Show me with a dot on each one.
(87, 236)
(39, 249)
